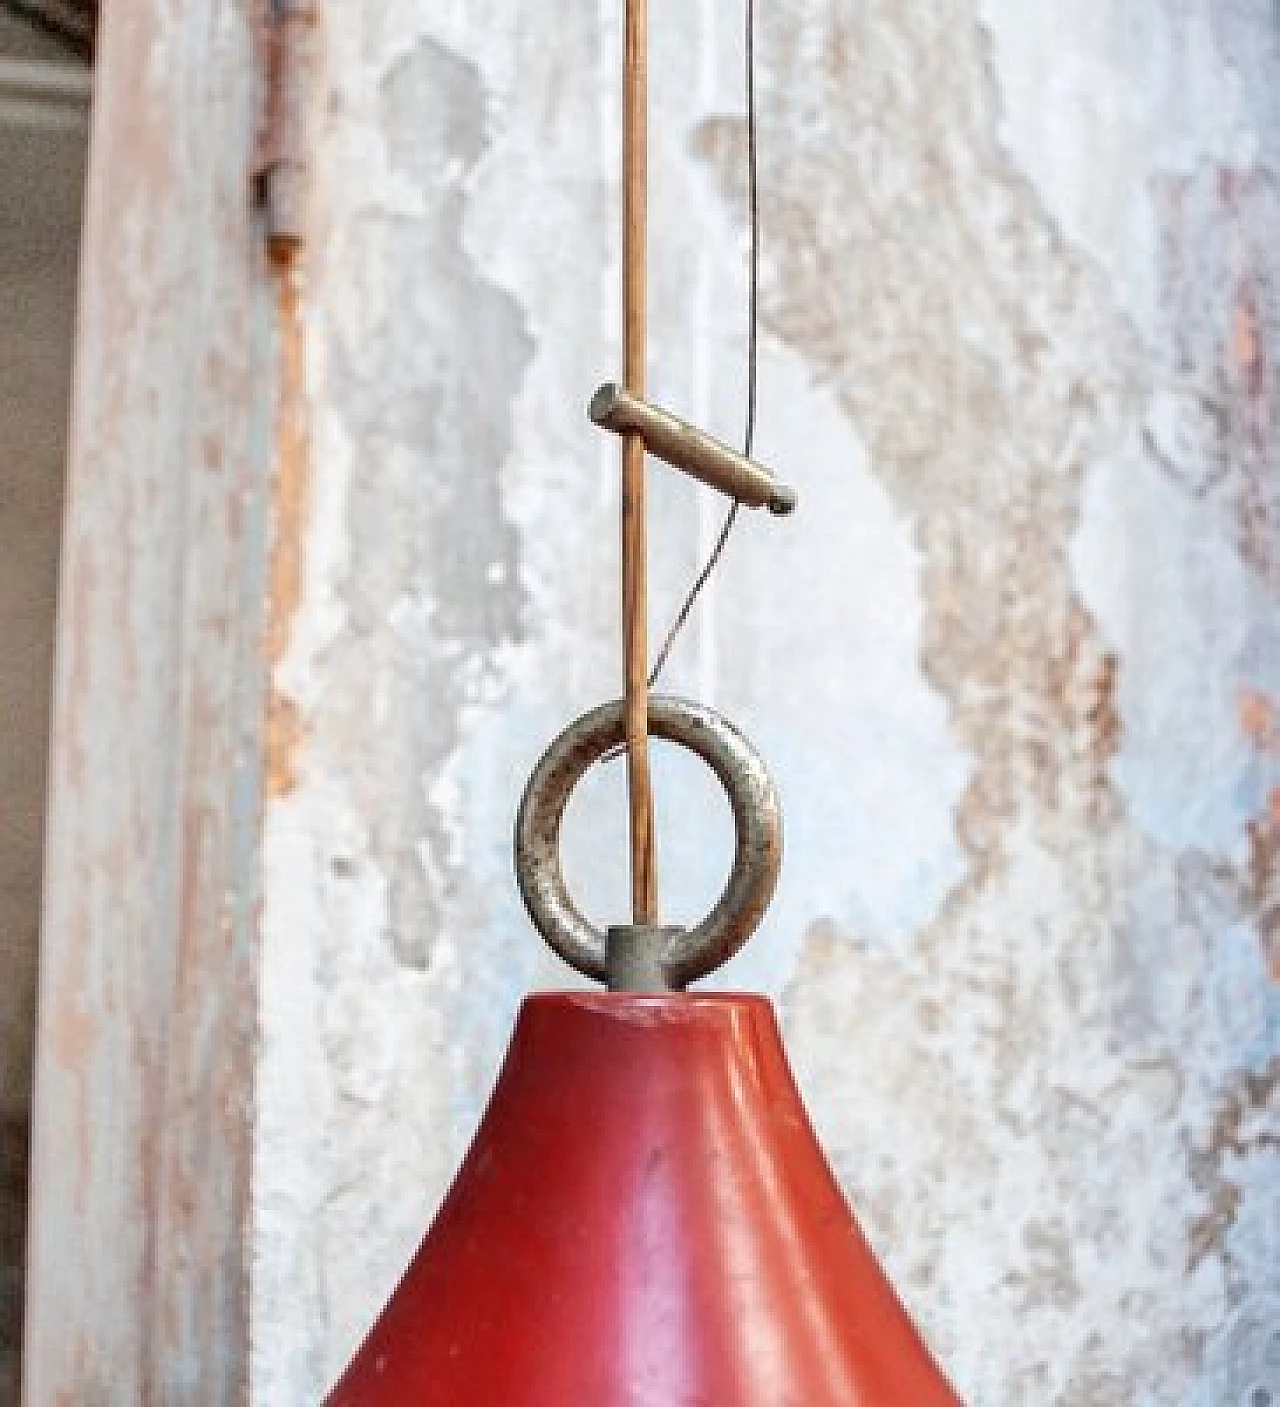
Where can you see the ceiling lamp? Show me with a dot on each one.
(645, 1218)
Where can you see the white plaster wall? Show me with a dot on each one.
(1013, 662)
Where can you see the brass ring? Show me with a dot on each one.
(757, 816)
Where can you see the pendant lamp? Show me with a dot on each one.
(645, 1218)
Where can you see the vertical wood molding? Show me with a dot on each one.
(138, 1284)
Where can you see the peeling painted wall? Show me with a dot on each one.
(1014, 662)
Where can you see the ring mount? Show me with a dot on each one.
(688, 954)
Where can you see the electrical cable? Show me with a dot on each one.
(753, 338)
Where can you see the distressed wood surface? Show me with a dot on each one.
(142, 1129)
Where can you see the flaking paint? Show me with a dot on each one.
(137, 1288)
(997, 660)
(289, 518)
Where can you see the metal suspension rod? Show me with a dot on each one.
(635, 625)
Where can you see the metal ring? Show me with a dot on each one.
(757, 817)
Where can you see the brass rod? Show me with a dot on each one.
(635, 624)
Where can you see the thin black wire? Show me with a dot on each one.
(753, 339)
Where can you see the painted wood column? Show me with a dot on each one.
(138, 1258)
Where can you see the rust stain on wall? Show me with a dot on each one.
(981, 361)
(1220, 302)
(291, 502)
(1246, 1122)
(1258, 719)
(1260, 875)
(1262, 881)
(1219, 230)
(988, 365)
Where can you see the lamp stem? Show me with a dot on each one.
(635, 625)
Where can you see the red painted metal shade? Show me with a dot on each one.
(644, 1219)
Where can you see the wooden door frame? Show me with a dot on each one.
(138, 1283)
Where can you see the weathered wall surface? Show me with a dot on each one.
(1014, 662)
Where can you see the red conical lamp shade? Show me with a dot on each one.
(644, 1219)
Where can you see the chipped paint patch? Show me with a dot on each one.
(1190, 621)
(996, 660)
(1095, 98)
(284, 733)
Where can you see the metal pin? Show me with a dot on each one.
(684, 446)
